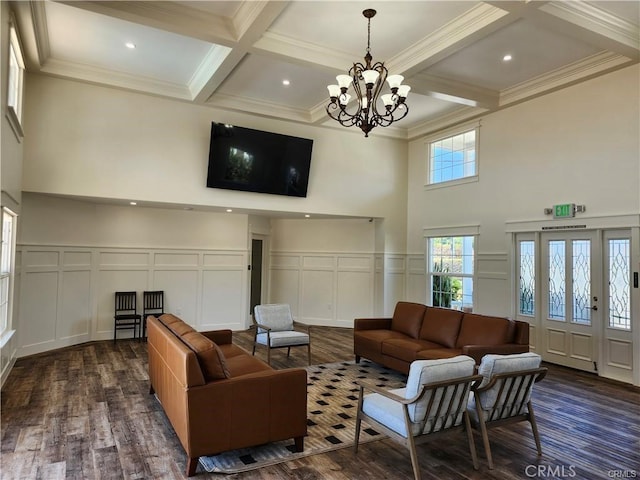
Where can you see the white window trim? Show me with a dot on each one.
(454, 231)
(450, 132)
(7, 333)
(15, 116)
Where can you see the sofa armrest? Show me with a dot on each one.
(247, 410)
(372, 324)
(478, 351)
(221, 337)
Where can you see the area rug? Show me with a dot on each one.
(332, 403)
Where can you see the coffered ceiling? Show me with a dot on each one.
(235, 54)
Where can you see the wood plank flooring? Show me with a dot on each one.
(84, 412)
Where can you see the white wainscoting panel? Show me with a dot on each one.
(180, 292)
(223, 300)
(491, 288)
(416, 279)
(324, 288)
(74, 319)
(317, 296)
(38, 307)
(66, 293)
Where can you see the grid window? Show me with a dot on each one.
(453, 157)
(15, 81)
(451, 272)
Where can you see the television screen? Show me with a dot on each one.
(256, 161)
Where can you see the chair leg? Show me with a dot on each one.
(534, 428)
(288, 351)
(472, 444)
(358, 422)
(414, 456)
(309, 352)
(485, 436)
(411, 444)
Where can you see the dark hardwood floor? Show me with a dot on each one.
(84, 412)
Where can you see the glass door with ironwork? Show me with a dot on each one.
(570, 294)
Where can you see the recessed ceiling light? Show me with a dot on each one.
(130, 45)
(507, 58)
(133, 203)
(229, 210)
(307, 216)
(286, 82)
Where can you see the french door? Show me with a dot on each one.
(570, 299)
(574, 289)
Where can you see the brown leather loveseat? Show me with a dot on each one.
(420, 332)
(219, 397)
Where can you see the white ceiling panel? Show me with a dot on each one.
(535, 51)
(87, 38)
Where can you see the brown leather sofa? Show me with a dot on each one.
(219, 397)
(419, 332)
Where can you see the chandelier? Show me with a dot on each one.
(367, 81)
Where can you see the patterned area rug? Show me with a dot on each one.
(332, 402)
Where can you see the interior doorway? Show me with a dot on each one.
(257, 269)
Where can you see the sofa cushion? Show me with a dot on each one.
(211, 358)
(484, 330)
(407, 318)
(372, 339)
(245, 364)
(405, 348)
(441, 325)
(175, 324)
(438, 353)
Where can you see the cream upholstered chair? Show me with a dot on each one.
(504, 396)
(275, 328)
(433, 403)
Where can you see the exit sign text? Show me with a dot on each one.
(565, 210)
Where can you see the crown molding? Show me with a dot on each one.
(447, 120)
(258, 107)
(101, 76)
(303, 52)
(578, 71)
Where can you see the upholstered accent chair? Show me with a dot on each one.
(504, 396)
(275, 328)
(433, 403)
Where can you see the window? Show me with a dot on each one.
(15, 83)
(451, 266)
(6, 268)
(453, 157)
(619, 294)
(527, 281)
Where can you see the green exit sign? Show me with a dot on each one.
(565, 210)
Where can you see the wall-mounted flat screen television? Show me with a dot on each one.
(256, 161)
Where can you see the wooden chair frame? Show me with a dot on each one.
(512, 385)
(442, 408)
(152, 304)
(297, 325)
(126, 316)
